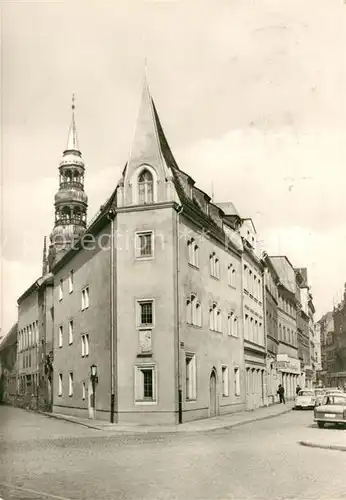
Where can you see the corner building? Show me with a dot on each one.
(147, 305)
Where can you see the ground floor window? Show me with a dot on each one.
(236, 382)
(190, 377)
(225, 391)
(145, 383)
(70, 384)
(60, 385)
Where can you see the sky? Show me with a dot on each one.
(250, 93)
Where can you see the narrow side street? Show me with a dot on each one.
(55, 459)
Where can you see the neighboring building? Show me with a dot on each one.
(336, 364)
(272, 329)
(35, 345)
(312, 311)
(8, 367)
(303, 328)
(327, 326)
(253, 317)
(158, 315)
(288, 364)
(318, 355)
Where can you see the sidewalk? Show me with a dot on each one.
(205, 425)
(327, 439)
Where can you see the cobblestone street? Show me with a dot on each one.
(44, 458)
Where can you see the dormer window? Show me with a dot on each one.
(145, 187)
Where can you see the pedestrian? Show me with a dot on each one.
(281, 393)
(298, 389)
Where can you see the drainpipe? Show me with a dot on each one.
(112, 315)
(180, 391)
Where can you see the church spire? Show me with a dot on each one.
(72, 140)
(71, 202)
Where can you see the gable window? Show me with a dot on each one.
(70, 282)
(61, 289)
(193, 253)
(225, 385)
(70, 332)
(145, 384)
(60, 337)
(60, 387)
(70, 384)
(145, 313)
(85, 298)
(144, 245)
(193, 311)
(214, 266)
(145, 187)
(190, 366)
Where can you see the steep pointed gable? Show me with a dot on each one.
(146, 146)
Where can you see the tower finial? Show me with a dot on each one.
(72, 141)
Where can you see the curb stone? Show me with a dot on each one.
(66, 419)
(171, 431)
(335, 447)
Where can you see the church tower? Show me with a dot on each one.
(71, 202)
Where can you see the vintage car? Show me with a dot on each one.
(319, 395)
(332, 410)
(305, 399)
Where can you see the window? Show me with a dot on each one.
(60, 336)
(236, 382)
(37, 333)
(85, 298)
(246, 326)
(225, 391)
(70, 282)
(70, 384)
(190, 364)
(193, 311)
(145, 384)
(70, 332)
(85, 345)
(145, 187)
(231, 276)
(193, 253)
(83, 390)
(215, 318)
(60, 387)
(230, 323)
(214, 266)
(235, 326)
(145, 313)
(61, 289)
(144, 245)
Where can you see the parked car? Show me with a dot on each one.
(332, 410)
(319, 395)
(305, 399)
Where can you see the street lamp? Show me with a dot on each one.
(93, 373)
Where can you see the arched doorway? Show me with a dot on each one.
(212, 393)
